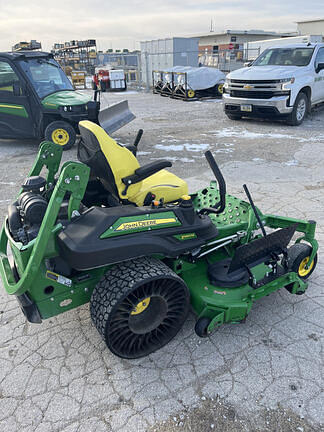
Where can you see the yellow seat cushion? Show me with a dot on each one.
(164, 185)
(123, 163)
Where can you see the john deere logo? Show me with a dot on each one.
(126, 226)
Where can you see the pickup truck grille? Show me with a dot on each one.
(252, 94)
(259, 82)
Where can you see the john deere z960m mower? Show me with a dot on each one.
(37, 100)
(132, 242)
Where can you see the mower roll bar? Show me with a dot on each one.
(219, 207)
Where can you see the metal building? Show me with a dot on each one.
(165, 53)
(311, 27)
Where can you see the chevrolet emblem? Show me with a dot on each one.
(247, 87)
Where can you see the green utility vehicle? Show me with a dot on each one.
(37, 100)
(130, 240)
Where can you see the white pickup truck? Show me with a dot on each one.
(284, 81)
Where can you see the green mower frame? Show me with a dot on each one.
(44, 293)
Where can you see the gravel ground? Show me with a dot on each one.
(263, 375)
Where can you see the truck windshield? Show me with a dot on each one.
(46, 76)
(285, 57)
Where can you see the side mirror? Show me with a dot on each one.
(16, 88)
(248, 64)
(319, 67)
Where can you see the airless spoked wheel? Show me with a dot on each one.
(139, 306)
(298, 261)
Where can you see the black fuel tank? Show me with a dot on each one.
(82, 246)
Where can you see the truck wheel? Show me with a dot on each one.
(299, 111)
(234, 116)
(139, 306)
(61, 133)
(298, 258)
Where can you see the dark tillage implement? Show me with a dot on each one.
(134, 244)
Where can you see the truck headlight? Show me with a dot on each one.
(285, 82)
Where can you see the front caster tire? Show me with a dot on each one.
(139, 306)
(298, 258)
(61, 133)
(201, 327)
(299, 111)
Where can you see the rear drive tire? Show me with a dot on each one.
(61, 133)
(139, 306)
(299, 112)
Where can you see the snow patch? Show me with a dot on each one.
(142, 153)
(183, 159)
(181, 147)
(231, 132)
(293, 162)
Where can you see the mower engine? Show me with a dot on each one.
(26, 214)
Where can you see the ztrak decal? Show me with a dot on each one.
(144, 223)
(140, 223)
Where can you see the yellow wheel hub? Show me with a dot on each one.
(220, 88)
(141, 306)
(303, 271)
(60, 136)
(191, 93)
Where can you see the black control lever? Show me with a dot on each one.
(138, 137)
(247, 192)
(133, 147)
(221, 204)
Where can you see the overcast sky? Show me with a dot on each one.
(122, 24)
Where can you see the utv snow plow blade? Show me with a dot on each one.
(115, 116)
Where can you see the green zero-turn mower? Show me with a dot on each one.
(37, 100)
(132, 242)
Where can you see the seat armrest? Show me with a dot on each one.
(152, 168)
(144, 172)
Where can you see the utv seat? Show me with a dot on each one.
(120, 172)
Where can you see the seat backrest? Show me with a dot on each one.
(108, 160)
